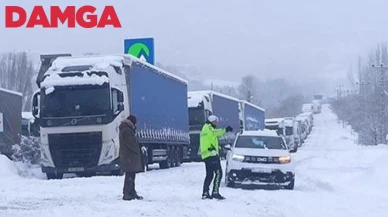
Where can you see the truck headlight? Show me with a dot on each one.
(284, 160)
(238, 157)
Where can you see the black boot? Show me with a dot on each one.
(128, 197)
(218, 196)
(138, 197)
(206, 195)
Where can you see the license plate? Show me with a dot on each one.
(261, 170)
(76, 169)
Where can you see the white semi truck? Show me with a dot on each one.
(81, 102)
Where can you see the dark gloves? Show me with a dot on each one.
(229, 129)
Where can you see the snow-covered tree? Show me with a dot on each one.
(248, 89)
(16, 73)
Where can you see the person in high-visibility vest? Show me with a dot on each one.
(210, 154)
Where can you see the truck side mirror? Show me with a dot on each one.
(120, 97)
(35, 105)
(120, 100)
(121, 106)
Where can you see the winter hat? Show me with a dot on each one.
(212, 118)
(133, 119)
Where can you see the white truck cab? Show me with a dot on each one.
(260, 158)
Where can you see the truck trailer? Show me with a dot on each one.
(10, 120)
(252, 117)
(202, 104)
(82, 100)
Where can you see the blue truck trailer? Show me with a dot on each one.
(10, 120)
(252, 117)
(82, 101)
(202, 104)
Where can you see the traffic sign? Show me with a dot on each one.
(142, 48)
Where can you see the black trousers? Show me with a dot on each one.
(213, 170)
(129, 184)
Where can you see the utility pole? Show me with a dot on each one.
(362, 93)
(382, 104)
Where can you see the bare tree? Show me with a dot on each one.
(248, 89)
(16, 73)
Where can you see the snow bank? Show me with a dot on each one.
(8, 169)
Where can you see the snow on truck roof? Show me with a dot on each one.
(274, 120)
(196, 97)
(265, 132)
(104, 61)
(11, 92)
(253, 105)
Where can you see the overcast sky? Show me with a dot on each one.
(225, 38)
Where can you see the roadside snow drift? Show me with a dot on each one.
(335, 178)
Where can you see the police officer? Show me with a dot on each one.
(210, 153)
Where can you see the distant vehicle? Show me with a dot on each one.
(252, 117)
(318, 97)
(283, 128)
(304, 127)
(317, 106)
(202, 104)
(309, 107)
(297, 130)
(10, 120)
(260, 158)
(82, 101)
(310, 118)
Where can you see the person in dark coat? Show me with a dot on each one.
(130, 157)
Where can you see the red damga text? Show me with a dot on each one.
(85, 17)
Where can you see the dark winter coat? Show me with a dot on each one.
(130, 150)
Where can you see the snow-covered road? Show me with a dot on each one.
(334, 177)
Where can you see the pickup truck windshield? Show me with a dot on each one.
(76, 101)
(260, 142)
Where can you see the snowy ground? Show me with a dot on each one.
(334, 177)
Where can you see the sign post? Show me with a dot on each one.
(1, 123)
(142, 48)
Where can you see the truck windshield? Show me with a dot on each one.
(196, 116)
(260, 142)
(82, 100)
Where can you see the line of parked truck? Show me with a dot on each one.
(295, 130)
(81, 101)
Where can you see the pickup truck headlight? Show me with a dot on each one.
(238, 157)
(284, 160)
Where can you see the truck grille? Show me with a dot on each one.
(75, 149)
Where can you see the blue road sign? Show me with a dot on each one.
(142, 48)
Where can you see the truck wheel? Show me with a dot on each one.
(173, 156)
(166, 163)
(178, 157)
(54, 176)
